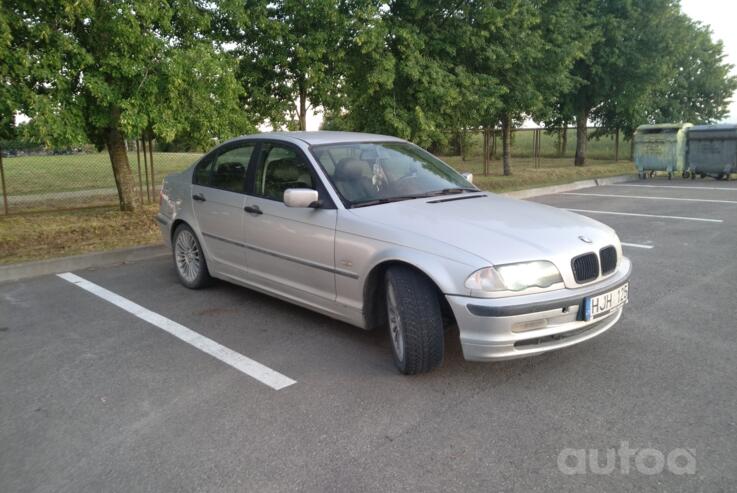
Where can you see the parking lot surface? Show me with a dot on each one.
(95, 397)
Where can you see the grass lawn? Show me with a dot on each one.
(58, 234)
(38, 236)
(552, 171)
(26, 175)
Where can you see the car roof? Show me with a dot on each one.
(322, 137)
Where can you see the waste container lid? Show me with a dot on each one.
(661, 127)
(721, 127)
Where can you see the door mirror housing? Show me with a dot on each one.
(301, 197)
(468, 177)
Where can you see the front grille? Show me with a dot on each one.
(608, 256)
(585, 267)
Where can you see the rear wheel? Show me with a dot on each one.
(189, 259)
(415, 321)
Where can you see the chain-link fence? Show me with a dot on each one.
(544, 146)
(35, 179)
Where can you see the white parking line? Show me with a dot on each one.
(728, 189)
(657, 216)
(650, 198)
(252, 368)
(637, 245)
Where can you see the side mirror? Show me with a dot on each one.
(301, 197)
(468, 177)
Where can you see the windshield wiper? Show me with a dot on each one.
(364, 203)
(449, 191)
(434, 193)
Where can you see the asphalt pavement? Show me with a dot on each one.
(95, 397)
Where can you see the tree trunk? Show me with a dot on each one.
(581, 137)
(493, 143)
(616, 146)
(507, 144)
(121, 170)
(302, 105)
(462, 143)
(564, 142)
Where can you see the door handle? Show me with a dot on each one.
(253, 209)
(199, 197)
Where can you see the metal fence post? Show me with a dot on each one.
(2, 180)
(140, 178)
(486, 151)
(151, 159)
(145, 168)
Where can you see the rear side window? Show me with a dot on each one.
(225, 171)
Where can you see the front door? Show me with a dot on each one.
(290, 250)
(218, 199)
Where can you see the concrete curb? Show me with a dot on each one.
(568, 187)
(25, 270)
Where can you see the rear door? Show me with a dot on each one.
(290, 250)
(218, 198)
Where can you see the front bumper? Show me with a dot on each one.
(519, 326)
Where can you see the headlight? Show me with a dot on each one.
(514, 277)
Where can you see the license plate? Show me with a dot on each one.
(595, 306)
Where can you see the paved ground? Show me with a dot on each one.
(93, 398)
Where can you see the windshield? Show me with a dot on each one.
(376, 173)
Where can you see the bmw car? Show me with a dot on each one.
(376, 232)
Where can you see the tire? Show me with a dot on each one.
(415, 321)
(189, 259)
(685, 175)
(670, 175)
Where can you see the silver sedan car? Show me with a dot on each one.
(376, 232)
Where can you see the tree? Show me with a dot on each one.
(530, 51)
(698, 87)
(290, 54)
(411, 73)
(625, 62)
(104, 71)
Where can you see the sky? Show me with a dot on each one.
(721, 15)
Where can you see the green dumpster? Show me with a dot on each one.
(660, 148)
(712, 151)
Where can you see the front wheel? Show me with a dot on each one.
(189, 259)
(415, 321)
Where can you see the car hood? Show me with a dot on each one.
(495, 228)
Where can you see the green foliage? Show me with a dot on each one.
(698, 85)
(131, 65)
(648, 63)
(290, 54)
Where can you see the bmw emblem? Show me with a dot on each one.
(585, 239)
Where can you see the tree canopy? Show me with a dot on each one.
(425, 70)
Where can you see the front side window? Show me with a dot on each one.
(371, 173)
(225, 171)
(281, 168)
